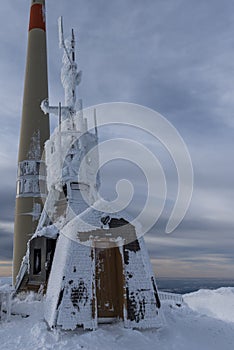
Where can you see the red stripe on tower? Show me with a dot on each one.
(37, 17)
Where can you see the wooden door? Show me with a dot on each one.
(109, 283)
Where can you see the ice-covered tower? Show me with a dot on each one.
(71, 188)
(34, 132)
(101, 271)
(91, 261)
(69, 145)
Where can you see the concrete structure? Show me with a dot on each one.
(33, 134)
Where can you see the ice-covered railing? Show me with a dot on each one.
(5, 302)
(163, 296)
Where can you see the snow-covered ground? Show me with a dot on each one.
(205, 321)
(217, 303)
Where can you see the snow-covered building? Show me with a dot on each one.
(97, 278)
(92, 264)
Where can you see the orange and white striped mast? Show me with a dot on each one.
(33, 134)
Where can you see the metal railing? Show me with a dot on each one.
(5, 304)
(178, 298)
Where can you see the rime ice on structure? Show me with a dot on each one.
(98, 270)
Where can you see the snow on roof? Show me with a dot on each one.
(50, 231)
(91, 220)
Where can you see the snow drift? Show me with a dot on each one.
(204, 321)
(217, 303)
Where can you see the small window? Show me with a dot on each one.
(43, 188)
(65, 190)
(38, 164)
(52, 149)
(75, 186)
(19, 188)
(37, 262)
(36, 186)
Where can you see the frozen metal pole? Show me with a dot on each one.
(33, 134)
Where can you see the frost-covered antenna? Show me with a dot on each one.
(70, 77)
(73, 46)
(95, 121)
(61, 38)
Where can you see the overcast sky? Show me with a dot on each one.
(174, 56)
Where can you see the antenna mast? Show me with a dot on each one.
(61, 38)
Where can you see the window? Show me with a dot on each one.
(19, 187)
(75, 186)
(65, 190)
(43, 188)
(37, 262)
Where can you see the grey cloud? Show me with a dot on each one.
(6, 246)
(173, 56)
